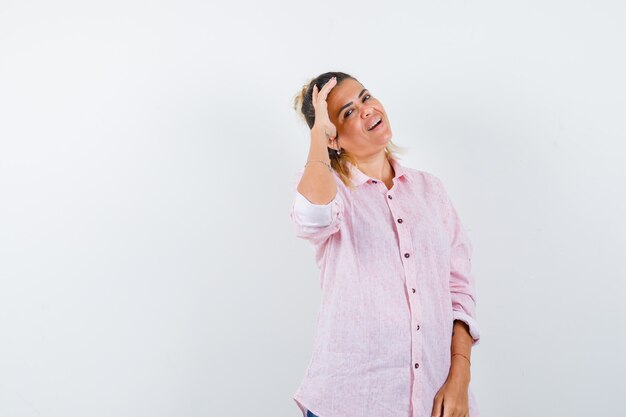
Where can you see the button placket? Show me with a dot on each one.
(406, 247)
(410, 270)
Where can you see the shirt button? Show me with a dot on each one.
(417, 365)
(406, 255)
(418, 327)
(399, 220)
(390, 197)
(413, 289)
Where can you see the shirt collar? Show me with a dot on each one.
(359, 177)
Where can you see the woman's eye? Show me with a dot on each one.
(347, 113)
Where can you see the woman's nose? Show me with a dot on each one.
(367, 110)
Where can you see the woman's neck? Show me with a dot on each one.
(380, 169)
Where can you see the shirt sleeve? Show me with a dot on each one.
(316, 222)
(462, 281)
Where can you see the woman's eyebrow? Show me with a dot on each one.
(346, 105)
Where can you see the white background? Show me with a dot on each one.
(148, 266)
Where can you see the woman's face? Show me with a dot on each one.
(353, 110)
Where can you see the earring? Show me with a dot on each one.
(338, 151)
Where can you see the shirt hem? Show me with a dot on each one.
(303, 407)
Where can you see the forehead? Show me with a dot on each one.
(346, 91)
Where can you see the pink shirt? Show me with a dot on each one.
(395, 272)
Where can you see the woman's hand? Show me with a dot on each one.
(322, 120)
(453, 397)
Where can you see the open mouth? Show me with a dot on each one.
(376, 124)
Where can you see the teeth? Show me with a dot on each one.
(374, 124)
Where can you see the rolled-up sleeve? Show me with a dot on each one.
(462, 281)
(316, 222)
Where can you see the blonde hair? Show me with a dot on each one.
(303, 105)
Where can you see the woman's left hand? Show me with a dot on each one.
(452, 399)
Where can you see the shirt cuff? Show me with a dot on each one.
(471, 323)
(309, 214)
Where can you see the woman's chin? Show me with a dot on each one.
(386, 136)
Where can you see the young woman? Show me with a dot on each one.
(397, 320)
